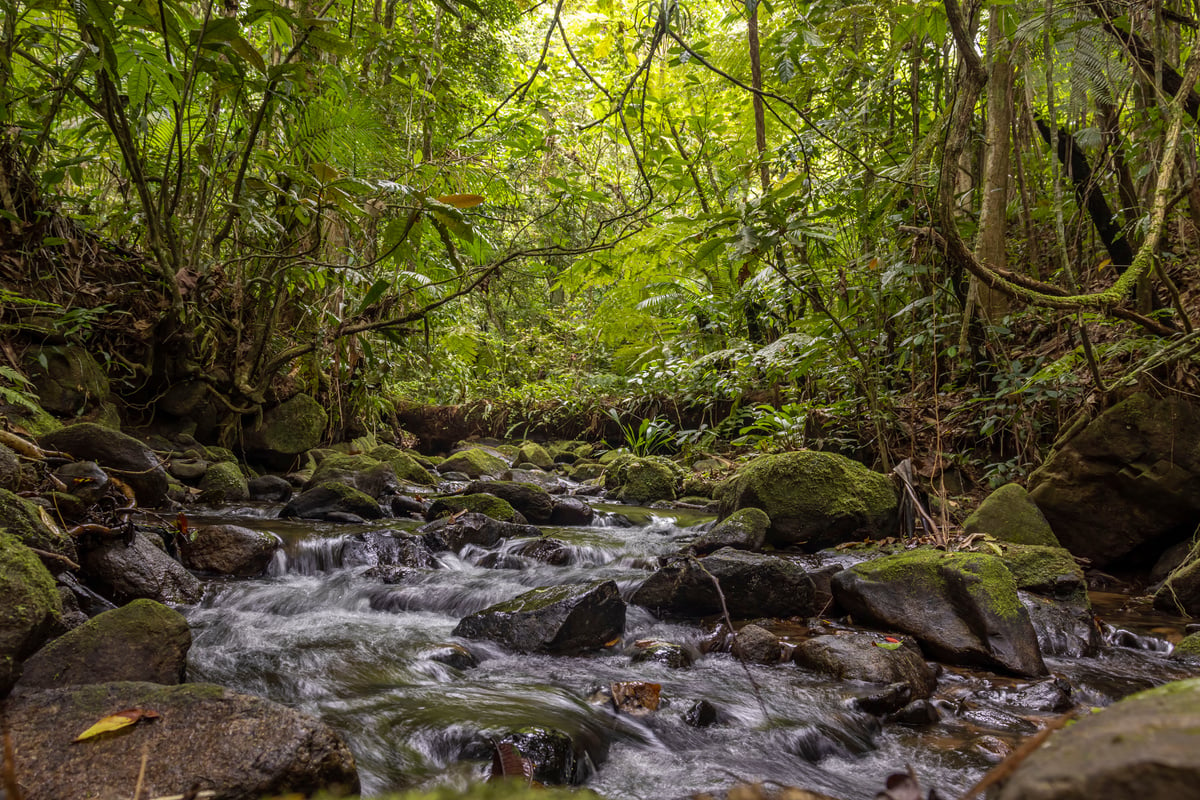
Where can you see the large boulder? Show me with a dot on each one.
(225, 482)
(868, 657)
(125, 457)
(1048, 571)
(962, 607)
(1127, 483)
(1145, 746)
(293, 427)
(204, 738)
(813, 498)
(753, 585)
(1010, 515)
(68, 379)
(138, 570)
(31, 609)
(475, 462)
(369, 475)
(403, 465)
(386, 549)
(487, 504)
(744, 529)
(534, 502)
(332, 501)
(533, 453)
(563, 620)
(23, 519)
(143, 641)
(643, 480)
(571, 511)
(229, 549)
(10, 470)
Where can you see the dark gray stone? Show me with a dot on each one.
(123, 456)
(754, 585)
(229, 549)
(868, 657)
(564, 620)
(125, 572)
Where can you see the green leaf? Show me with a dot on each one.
(374, 293)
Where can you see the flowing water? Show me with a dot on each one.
(319, 636)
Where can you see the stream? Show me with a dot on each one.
(364, 656)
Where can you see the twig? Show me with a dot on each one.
(11, 787)
(141, 778)
(46, 555)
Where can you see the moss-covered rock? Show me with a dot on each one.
(406, 468)
(1010, 515)
(369, 475)
(745, 529)
(224, 481)
(1049, 571)
(962, 607)
(643, 479)
(214, 453)
(535, 454)
(10, 470)
(31, 609)
(585, 471)
(482, 503)
(142, 641)
(22, 519)
(564, 620)
(533, 501)
(1180, 592)
(291, 428)
(67, 378)
(132, 461)
(332, 500)
(1188, 648)
(38, 421)
(474, 462)
(813, 498)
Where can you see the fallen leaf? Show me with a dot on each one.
(636, 697)
(114, 722)
(891, 645)
(507, 762)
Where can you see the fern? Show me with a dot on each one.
(17, 393)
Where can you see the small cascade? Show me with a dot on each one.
(311, 556)
(1120, 637)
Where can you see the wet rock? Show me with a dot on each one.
(917, 714)
(1188, 648)
(564, 620)
(188, 470)
(757, 645)
(1145, 746)
(868, 657)
(205, 737)
(224, 482)
(125, 572)
(744, 529)
(453, 655)
(22, 519)
(637, 698)
(886, 700)
(1064, 628)
(1180, 592)
(701, 714)
(534, 502)
(85, 480)
(1129, 478)
(813, 498)
(547, 551)
(553, 754)
(30, 612)
(571, 511)
(669, 654)
(533, 453)
(328, 499)
(754, 585)
(1171, 559)
(488, 504)
(643, 480)
(455, 533)
(962, 607)
(1049, 571)
(124, 456)
(286, 431)
(1051, 695)
(368, 475)
(1010, 515)
(474, 462)
(387, 549)
(229, 549)
(404, 505)
(68, 380)
(406, 468)
(142, 641)
(269, 487)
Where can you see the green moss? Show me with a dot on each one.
(38, 423)
(535, 454)
(1046, 570)
(481, 503)
(538, 598)
(226, 480)
(1010, 515)
(1188, 647)
(352, 500)
(214, 453)
(292, 427)
(924, 568)
(1189, 686)
(474, 462)
(406, 467)
(22, 520)
(31, 607)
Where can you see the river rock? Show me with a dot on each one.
(406, 468)
(962, 607)
(869, 657)
(813, 498)
(1010, 515)
(757, 645)
(68, 379)
(269, 487)
(533, 501)
(1064, 628)
(31, 609)
(643, 480)
(487, 504)
(224, 482)
(754, 585)
(669, 654)
(387, 549)
(571, 511)
(368, 475)
(533, 453)
(744, 529)
(475, 463)
(204, 738)
(1145, 746)
(229, 549)
(1048, 571)
(332, 501)
(22, 519)
(552, 753)
(142, 641)
(1180, 592)
(293, 427)
(1187, 649)
(563, 620)
(1129, 479)
(125, 457)
(455, 533)
(124, 572)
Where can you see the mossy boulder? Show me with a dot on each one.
(962, 607)
(1010, 515)
(229, 549)
(1188, 648)
(859, 657)
(369, 475)
(142, 641)
(22, 519)
(474, 462)
(1049, 571)
(332, 501)
(1180, 592)
(483, 503)
(745, 529)
(563, 620)
(406, 468)
(67, 378)
(643, 479)
(535, 454)
(533, 501)
(224, 481)
(10, 470)
(31, 610)
(286, 431)
(1145, 746)
(813, 498)
(122, 455)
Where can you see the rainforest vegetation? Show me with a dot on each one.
(896, 228)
